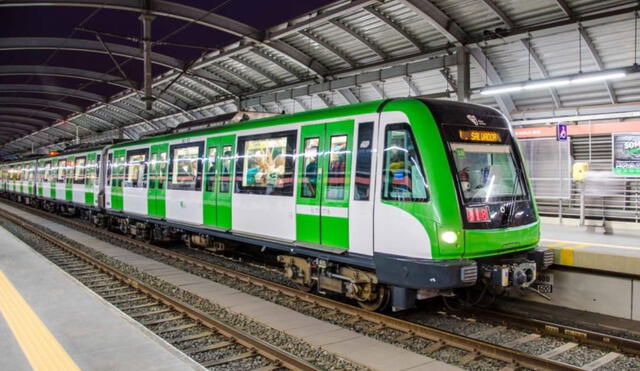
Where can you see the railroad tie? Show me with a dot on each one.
(238, 357)
(207, 348)
(609, 357)
(522, 340)
(561, 349)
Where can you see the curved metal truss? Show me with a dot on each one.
(347, 52)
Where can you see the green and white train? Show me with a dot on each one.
(401, 198)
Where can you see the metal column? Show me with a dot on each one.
(464, 71)
(146, 19)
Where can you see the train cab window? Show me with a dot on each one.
(403, 179)
(211, 168)
(185, 168)
(363, 162)
(336, 175)
(265, 164)
(62, 165)
(309, 180)
(136, 169)
(80, 170)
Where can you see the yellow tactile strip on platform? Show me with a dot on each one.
(610, 258)
(40, 347)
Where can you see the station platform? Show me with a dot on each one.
(344, 343)
(579, 247)
(49, 321)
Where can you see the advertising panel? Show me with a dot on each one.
(626, 154)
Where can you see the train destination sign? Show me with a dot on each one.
(626, 154)
(479, 136)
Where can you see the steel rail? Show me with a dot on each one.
(276, 355)
(480, 348)
(579, 335)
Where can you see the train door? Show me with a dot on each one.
(117, 178)
(157, 180)
(322, 210)
(218, 182)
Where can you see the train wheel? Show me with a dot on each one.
(380, 303)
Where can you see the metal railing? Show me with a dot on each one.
(603, 196)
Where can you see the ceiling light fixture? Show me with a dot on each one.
(582, 78)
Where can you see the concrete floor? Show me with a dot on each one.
(95, 334)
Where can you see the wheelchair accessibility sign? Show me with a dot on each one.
(561, 132)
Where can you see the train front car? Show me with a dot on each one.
(480, 215)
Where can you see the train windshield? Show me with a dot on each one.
(486, 172)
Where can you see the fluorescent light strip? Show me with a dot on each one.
(603, 116)
(588, 79)
(533, 85)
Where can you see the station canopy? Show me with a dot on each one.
(89, 71)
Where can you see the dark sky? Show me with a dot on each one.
(61, 21)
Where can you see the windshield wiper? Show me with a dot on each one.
(514, 194)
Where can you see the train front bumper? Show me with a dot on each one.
(416, 273)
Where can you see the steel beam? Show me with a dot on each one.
(22, 101)
(23, 126)
(83, 45)
(300, 58)
(29, 112)
(348, 95)
(526, 44)
(379, 90)
(330, 48)
(257, 68)
(36, 123)
(50, 89)
(413, 89)
(327, 102)
(455, 34)
(396, 27)
(598, 60)
(162, 8)
(318, 18)
(362, 39)
(73, 73)
(361, 79)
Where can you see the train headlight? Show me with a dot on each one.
(449, 237)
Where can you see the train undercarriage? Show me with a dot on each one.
(311, 273)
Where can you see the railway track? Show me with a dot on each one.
(410, 334)
(210, 342)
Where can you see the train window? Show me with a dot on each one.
(80, 170)
(310, 168)
(153, 169)
(265, 164)
(97, 165)
(69, 171)
(402, 172)
(363, 162)
(109, 167)
(61, 168)
(336, 175)
(225, 171)
(46, 173)
(136, 169)
(211, 169)
(185, 168)
(162, 170)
